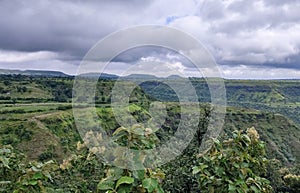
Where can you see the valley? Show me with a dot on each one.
(36, 116)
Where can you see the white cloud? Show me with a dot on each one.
(157, 67)
(15, 56)
(248, 72)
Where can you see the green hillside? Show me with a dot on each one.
(36, 118)
(52, 95)
(277, 96)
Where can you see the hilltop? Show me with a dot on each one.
(43, 73)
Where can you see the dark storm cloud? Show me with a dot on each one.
(290, 62)
(63, 26)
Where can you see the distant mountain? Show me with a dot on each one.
(152, 77)
(5, 71)
(174, 77)
(86, 75)
(145, 77)
(97, 75)
(34, 73)
(140, 76)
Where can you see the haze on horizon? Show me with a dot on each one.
(256, 39)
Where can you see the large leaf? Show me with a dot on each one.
(159, 189)
(150, 184)
(105, 184)
(37, 176)
(115, 173)
(139, 174)
(32, 182)
(196, 170)
(124, 180)
(125, 188)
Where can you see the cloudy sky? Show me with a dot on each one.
(247, 38)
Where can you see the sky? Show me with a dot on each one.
(249, 39)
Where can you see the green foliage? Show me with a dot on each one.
(19, 177)
(136, 137)
(235, 165)
(80, 172)
(35, 177)
(10, 166)
(124, 180)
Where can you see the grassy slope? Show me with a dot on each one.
(53, 131)
(41, 129)
(280, 134)
(20, 126)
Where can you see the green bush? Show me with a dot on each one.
(235, 165)
(125, 180)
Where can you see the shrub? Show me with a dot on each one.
(125, 180)
(235, 165)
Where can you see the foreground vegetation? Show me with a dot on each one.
(235, 164)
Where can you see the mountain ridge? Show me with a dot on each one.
(47, 73)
